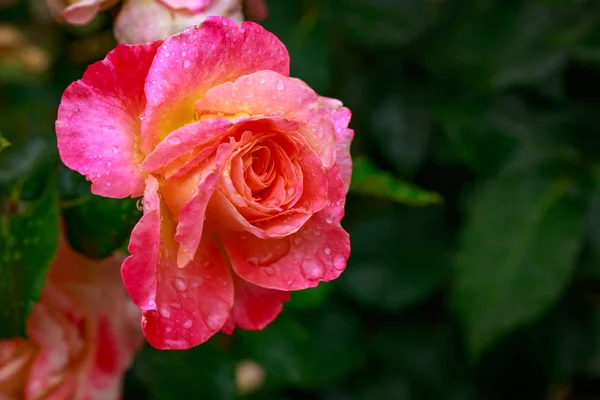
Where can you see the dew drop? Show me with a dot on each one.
(187, 324)
(108, 163)
(187, 63)
(339, 262)
(298, 240)
(261, 81)
(183, 54)
(291, 191)
(213, 321)
(175, 305)
(174, 140)
(168, 329)
(115, 149)
(289, 282)
(164, 312)
(269, 271)
(329, 220)
(339, 202)
(249, 81)
(206, 263)
(327, 250)
(214, 46)
(108, 183)
(280, 86)
(139, 204)
(179, 284)
(312, 270)
(151, 304)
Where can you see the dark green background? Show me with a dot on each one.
(485, 284)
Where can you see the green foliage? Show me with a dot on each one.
(518, 258)
(28, 241)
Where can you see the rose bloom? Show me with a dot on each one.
(244, 173)
(83, 335)
(141, 21)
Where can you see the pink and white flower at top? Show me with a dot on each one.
(243, 172)
(83, 335)
(141, 21)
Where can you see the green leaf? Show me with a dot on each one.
(28, 243)
(206, 371)
(369, 180)
(517, 254)
(96, 226)
(308, 352)
(398, 259)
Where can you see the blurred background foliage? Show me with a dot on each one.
(474, 211)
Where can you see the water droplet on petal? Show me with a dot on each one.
(280, 86)
(183, 54)
(168, 329)
(176, 305)
(108, 183)
(115, 149)
(298, 240)
(291, 191)
(179, 284)
(108, 163)
(327, 250)
(312, 270)
(165, 312)
(213, 321)
(206, 263)
(269, 271)
(174, 140)
(187, 324)
(139, 204)
(329, 220)
(339, 262)
(151, 304)
(261, 81)
(187, 63)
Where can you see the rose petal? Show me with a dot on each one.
(139, 269)
(182, 307)
(317, 252)
(192, 303)
(82, 12)
(193, 6)
(199, 58)
(254, 307)
(98, 121)
(341, 118)
(191, 217)
(272, 94)
(184, 140)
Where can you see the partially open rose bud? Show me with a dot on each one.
(142, 21)
(83, 335)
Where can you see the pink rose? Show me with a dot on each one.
(244, 173)
(141, 21)
(83, 335)
(78, 12)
